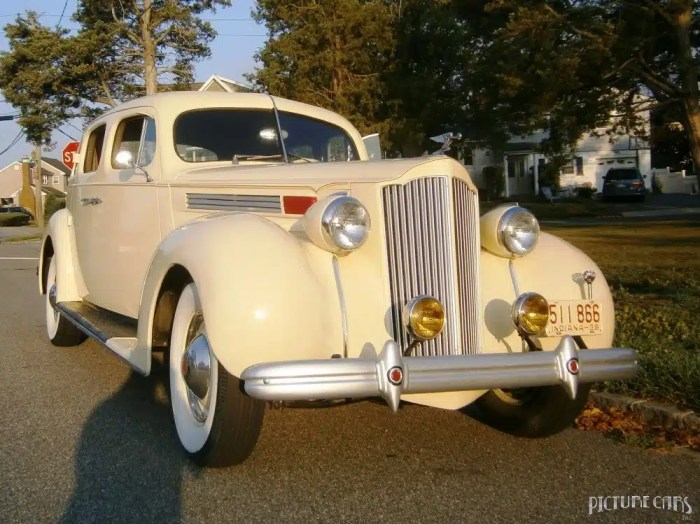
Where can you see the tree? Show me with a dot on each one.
(332, 54)
(507, 67)
(136, 45)
(35, 80)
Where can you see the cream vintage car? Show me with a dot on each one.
(252, 240)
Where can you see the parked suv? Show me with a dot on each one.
(624, 182)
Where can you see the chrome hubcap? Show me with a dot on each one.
(195, 368)
(52, 296)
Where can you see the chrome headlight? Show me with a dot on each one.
(338, 223)
(509, 231)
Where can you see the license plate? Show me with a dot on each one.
(575, 317)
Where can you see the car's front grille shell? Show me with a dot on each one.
(430, 253)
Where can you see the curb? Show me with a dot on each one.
(653, 413)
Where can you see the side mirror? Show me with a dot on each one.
(644, 176)
(374, 148)
(125, 159)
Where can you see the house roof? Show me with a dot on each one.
(219, 83)
(55, 162)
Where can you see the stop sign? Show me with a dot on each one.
(68, 155)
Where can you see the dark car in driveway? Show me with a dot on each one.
(624, 182)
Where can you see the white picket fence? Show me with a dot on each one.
(677, 182)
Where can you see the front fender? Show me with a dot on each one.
(551, 270)
(263, 295)
(58, 243)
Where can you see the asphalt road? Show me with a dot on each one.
(82, 439)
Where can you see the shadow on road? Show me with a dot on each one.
(128, 461)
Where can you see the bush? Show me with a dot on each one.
(586, 191)
(53, 203)
(493, 182)
(657, 186)
(13, 219)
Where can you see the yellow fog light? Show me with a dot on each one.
(531, 313)
(424, 317)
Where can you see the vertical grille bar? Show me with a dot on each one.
(420, 250)
(466, 207)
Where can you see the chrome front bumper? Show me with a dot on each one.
(390, 375)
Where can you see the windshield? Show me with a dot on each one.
(211, 135)
(622, 174)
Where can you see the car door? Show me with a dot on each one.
(118, 228)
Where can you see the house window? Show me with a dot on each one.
(44, 179)
(55, 179)
(579, 165)
(567, 170)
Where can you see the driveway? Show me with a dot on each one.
(658, 205)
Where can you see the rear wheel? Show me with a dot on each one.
(59, 329)
(217, 423)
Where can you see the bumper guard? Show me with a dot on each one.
(390, 375)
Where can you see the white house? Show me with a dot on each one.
(219, 83)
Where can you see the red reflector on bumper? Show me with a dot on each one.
(297, 205)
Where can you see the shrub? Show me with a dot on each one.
(657, 186)
(13, 219)
(53, 203)
(586, 191)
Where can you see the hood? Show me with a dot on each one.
(312, 174)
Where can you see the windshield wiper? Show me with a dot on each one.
(237, 158)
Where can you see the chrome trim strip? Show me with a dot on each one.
(369, 376)
(343, 308)
(228, 202)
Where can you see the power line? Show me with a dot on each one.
(64, 133)
(12, 144)
(61, 17)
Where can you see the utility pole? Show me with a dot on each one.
(38, 187)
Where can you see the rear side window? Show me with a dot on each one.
(93, 151)
(622, 174)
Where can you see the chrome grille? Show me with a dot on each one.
(466, 205)
(422, 244)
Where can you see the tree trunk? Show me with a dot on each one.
(149, 50)
(689, 77)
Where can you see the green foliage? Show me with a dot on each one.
(654, 273)
(586, 191)
(13, 219)
(123, 49)
(133, 46)
(35, 79)
(333, 54)
(498, 68)
(53, 203)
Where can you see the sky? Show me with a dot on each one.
(231, 57)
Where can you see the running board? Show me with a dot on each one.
(115, 332)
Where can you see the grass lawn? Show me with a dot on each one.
(653, 268)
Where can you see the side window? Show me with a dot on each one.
(93, 151)
(138, 136)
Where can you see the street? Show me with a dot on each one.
(83, 439)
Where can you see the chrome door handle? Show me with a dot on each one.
(92, 201)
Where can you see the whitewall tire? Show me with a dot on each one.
(59, 329)
(216, 422)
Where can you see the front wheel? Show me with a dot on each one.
(217, 423)
(531, 412)
(59, 329)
